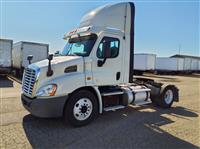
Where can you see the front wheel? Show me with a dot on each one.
(81, 108)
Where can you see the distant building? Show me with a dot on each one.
(191, 63)
(186, 56)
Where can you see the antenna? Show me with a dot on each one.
(179, 49)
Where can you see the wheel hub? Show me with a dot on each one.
(168, 96)
(82, 109)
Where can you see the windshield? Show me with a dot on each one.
(80, 46)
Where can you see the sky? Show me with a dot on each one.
(161, 27)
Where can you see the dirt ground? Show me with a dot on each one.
(134, 127)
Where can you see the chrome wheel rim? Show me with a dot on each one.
(168, 96)
(82, 109)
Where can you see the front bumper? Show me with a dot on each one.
(45, 107)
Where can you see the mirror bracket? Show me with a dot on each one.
(50, 71)
(100, 63)
(29, 58)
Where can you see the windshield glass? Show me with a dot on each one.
(80, 46)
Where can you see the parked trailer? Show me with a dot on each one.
(191, 63)
(187, 64)
(167, 64)
(5, 55)
(194, 65)
(144, 62)
(198, 65)
(21, 50)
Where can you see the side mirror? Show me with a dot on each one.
(29, 58)
(56, 53)
(50, 57)
(107, 53)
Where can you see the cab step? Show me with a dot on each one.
(114, 108)
(141, 102)
(112, 93)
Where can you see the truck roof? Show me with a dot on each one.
(111, 15)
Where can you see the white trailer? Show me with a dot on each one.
(198, 65)
(144, 62)
(169, 64)
(21, 50)
(187, 64)
(190, 64)
(94, 72)
(5, 55)
(194, 64)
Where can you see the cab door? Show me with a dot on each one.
(107, 60)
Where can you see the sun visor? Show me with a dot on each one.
(76, 31)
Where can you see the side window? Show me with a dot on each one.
(108, 48)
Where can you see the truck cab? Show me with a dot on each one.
(94, 71)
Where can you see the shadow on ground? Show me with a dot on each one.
(5, 82)
(127, 128)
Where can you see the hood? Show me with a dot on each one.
(57, 60)
(58, 65)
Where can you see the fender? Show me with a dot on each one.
(96, 91)
(99, 98)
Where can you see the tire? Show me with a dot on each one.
(17, 73)
(81, 109)
(167, 96)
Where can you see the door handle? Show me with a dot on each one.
(118, 75)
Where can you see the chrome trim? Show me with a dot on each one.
(36, 68)
(112, 93)
(30, 77)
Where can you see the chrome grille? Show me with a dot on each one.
(29, 81)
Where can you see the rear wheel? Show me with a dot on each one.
(167, 96)
(81, 109)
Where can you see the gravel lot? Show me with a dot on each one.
(133, 127)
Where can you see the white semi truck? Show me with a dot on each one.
(94, 71)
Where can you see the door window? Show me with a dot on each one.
(108, 48)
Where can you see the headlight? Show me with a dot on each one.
(48, 90)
